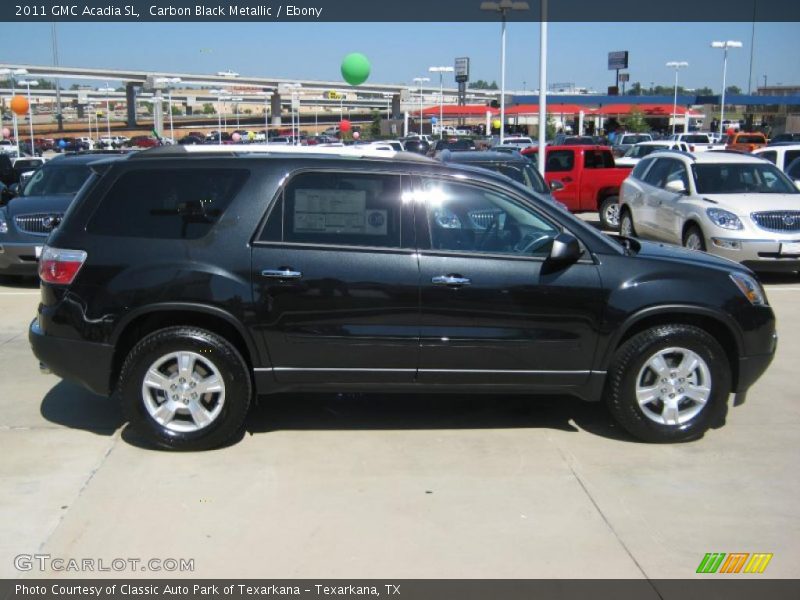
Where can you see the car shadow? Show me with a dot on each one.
(778, 278)
(23, 283)
(77, 408)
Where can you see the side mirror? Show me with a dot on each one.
(556, 185)
(676, 187)
(13, 189)
(565, 249)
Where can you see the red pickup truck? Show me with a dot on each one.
(589, 180)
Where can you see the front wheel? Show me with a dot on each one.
(609, 213)
(626, 228)
(185, 388)
(694, 239)
(669, 384)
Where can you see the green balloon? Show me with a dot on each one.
(355, 68)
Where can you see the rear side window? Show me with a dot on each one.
(790, 156)
(166, 204)
(598, 159)
(771, 156)
(343, 209)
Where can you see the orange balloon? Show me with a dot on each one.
(19, 104)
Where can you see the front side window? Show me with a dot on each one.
(640, 169)
(657, 175)
(472, 219)
(344, 209)
(177, 203)
(560, 160)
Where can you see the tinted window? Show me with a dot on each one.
(750, 139)
(696, 139)
(467, 218)
(560, 160)
(793, 170)
(54, 179)
(521, 172)
(167, 204)
(598, 159)
(790, 156)
(741, 178)
(345, 209)
(639, 169)
(771, 156)
(658, 174)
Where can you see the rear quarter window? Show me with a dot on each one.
(177, 203)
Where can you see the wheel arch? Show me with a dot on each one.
(719, 326)
(139, 323)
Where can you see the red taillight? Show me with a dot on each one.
(691, 148)
(60, 266)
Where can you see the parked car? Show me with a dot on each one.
(579, 140)
(28, 219)
(638, 151)
(589, 178)
(520, 141)
(26, 165)
(623, 141)
(745, 142)
(698, 142)
(349, 280)
(782, 138)
(8, 175)
(780, 155)
(451, 144)
(740, 207)
(793, 171)
(514, 166)
(416, 145)
(143, 141)
(192, 139)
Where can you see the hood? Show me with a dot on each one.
(744, 204)
(23, 205)
(678, 254)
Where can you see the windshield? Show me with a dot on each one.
(750, 139)
(696, 139)
(742, 178)
(635, 139)
(641, 151)
(55, 179)
(522, 172)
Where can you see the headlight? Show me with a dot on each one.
(723, 218)
(750, 288)
(3, 222)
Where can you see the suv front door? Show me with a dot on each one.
(336, 280)
(492, 307)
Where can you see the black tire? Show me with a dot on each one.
(693, 232)
(629, 361)
(609, 207)
(238, 388)
(626, 226)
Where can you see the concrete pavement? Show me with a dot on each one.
(398, 487)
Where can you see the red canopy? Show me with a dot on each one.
(453, 110)
(552, 108)
(650, 110)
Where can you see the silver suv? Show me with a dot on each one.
(734, 205)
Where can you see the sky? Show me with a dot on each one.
(401, 51)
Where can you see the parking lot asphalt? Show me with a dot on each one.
(373, 486)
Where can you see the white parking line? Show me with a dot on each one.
(19, 293)
(783, 289)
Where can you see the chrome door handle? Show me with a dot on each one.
(281, 274)
(454, 280)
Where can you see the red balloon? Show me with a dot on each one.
(345, 125)
(19, 104)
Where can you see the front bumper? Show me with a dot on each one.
(20, 258)
(85, 363)
(757, 254)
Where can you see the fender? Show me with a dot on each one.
(672, 309)
(215, 311)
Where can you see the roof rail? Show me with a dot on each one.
(675, 151)
(360, 151)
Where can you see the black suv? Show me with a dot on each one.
(187, 279)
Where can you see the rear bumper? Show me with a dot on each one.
(85, 363)
(20, 258)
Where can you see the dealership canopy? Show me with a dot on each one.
(467, 110)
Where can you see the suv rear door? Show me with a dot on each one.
(336, 279)
(492, 308)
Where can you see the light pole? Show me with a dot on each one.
(388, 98)
(169, 82)
(677, 65)
(219, 93)
(13, 73)
(441, 71)
(28, 83)
(724, 46)
(542, 141)
(420, 81)
(293, 88)
(503, 7)
(107, 89)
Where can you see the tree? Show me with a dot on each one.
(480, 84)
(635, 122)
(148, 106)
(704, 91)
(375, 126)
(208, 109)
(176, 111)
(733, 89)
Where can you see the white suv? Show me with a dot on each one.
(734, 205)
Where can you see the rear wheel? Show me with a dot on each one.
(626, 228)
(609, 213)
(185, 388)
(693, 238)
(669, 384)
